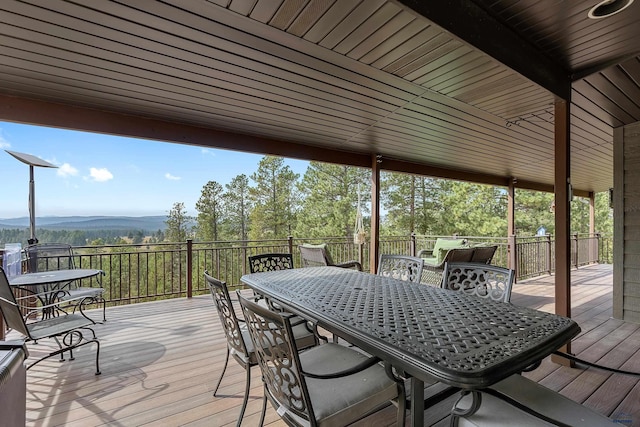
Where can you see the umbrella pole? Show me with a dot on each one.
(32, 207)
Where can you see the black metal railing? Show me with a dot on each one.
(146, 272)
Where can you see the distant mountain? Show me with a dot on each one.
(146, 223)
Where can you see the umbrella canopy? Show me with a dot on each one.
(31, 161)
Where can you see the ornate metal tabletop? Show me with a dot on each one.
(52, 277)
(426, 331)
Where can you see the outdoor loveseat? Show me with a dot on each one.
(452, 250)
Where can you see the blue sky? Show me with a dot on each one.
(109, 175)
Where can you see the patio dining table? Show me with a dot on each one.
(426, 332)
(49, 286)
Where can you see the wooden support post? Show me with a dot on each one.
(374, 247)
(189, 268)
(593, 241)
(511, 225)
(562, 216)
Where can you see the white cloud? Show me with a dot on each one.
(66, 170)
(208, 152)
(171, 177)
(100, 174)
(3, 142)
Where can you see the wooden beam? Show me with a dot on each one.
(472, 24)
(402, 166)
(43, 113)
(50, 114)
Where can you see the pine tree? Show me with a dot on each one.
(237, 207)
(178, 228)
(210, 211)
(330, 197)
(274, 199)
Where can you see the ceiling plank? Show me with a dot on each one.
(475, 26)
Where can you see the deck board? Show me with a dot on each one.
(160, 362)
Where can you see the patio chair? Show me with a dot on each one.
(329, 384)
(239, 344)
(318, 256)
(479, 280)
(270, 262)
(484, 254)
(59, 256)
(401, 267)
(432, 273)
(68, 330)
(518, 401)
(515, 400)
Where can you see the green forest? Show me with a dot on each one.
(274, 202)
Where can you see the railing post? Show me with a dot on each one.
(189, 268)
(549, 259)
(412, 247)
(596, 247)
(244, 257)
(511, 253)
(290, 242)
(577, 259)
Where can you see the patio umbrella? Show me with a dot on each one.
(31, 161)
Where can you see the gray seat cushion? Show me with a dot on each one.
(496, 412)
(340, 401)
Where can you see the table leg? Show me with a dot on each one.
(417, 402)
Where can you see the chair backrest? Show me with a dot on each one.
(49, 257)
(270, 262)
(459, 255)
(480, 280)
(278, 358)
(314, 256)
(9, 307)
(401, 267)
(483, 254)
(228, 317)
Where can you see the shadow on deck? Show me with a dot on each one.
(160, 362)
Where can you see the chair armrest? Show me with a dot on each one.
(425, 253)
(365, 364)
(433, 267)
(350, 264)
(58, 303)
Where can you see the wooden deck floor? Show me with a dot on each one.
(160, 361)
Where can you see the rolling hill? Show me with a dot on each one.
(146, 223)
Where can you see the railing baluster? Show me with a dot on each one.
(150, 271)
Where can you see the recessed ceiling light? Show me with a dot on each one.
(608, 7)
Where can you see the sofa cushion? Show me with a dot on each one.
(447, 244)
(432, 261)
(441, 254)
(442, 246)
(323, 247)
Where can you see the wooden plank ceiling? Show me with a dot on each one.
(342, 80)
